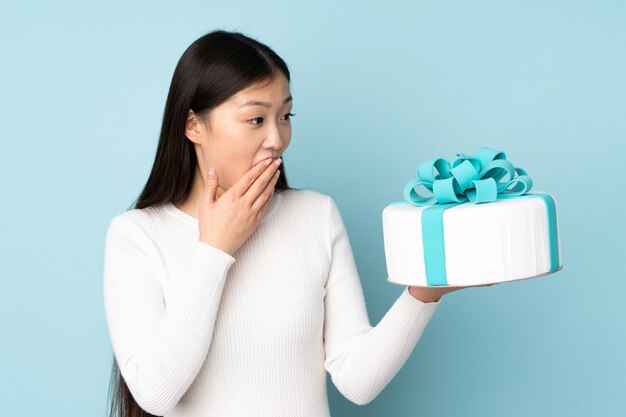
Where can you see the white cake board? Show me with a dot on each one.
(477, 284)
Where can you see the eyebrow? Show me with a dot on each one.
(263, 103)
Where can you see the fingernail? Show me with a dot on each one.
(268, 161)
(211, 172)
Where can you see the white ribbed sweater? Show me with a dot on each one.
(197, 332)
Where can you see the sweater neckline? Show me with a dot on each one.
(178, 213)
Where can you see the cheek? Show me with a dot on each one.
(236, 162)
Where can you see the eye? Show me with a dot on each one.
(288, 115)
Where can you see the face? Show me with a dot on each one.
(239, 133)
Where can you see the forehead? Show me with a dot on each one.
(273, 93)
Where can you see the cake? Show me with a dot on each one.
(475, 229)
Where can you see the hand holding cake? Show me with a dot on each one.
(433, 294)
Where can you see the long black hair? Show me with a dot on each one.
(211, 70)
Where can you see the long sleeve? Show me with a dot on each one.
(362, 359)
(159, 349)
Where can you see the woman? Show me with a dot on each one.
(228, 293)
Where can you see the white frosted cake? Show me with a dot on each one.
(475, 229)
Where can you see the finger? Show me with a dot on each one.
(263, 208)
(266, 196)
(244, 183)
(261, 182)
(210, 185)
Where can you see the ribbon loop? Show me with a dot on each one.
(446, 191)
(465, 173)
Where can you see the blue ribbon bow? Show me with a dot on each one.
(475, 179)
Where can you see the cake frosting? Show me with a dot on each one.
(475, 229)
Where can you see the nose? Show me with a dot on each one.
(275, 140)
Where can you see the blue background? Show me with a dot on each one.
(378, 88)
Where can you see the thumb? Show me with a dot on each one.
(210, 185)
